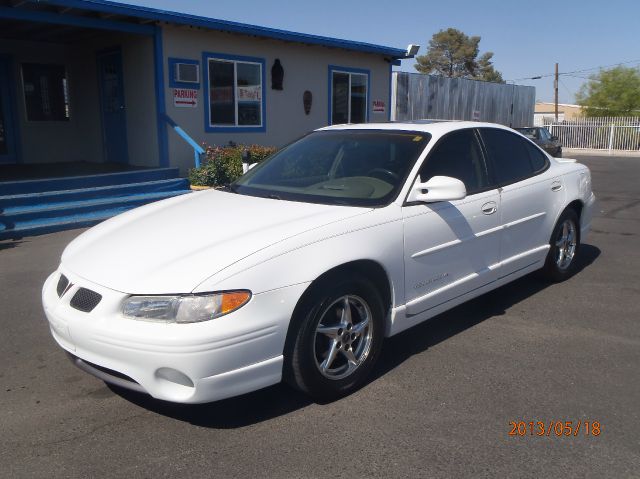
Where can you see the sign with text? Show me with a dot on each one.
(250, 93)
(185, 98)
(378, 106)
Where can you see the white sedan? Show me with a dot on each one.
(298, 272)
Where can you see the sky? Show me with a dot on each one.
(526, 38)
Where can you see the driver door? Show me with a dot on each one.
(451, 248)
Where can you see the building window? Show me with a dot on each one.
(46, 92)
(236, 93)
(349, 95)
(184, 73)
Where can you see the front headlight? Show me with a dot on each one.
(191, 308)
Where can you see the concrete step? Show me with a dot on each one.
(33, 201)
(61, 217)
(84, 182)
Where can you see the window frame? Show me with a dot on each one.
(348, 71)
(173, 80)
(491, 165)
(483, 156)
(235, 59)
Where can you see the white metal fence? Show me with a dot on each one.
(604, 133)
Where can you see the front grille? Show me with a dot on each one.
(85, 300)
(63, 282)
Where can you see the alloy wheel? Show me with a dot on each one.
(343, 337)
(566, 244)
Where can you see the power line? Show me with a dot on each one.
(604, 66)
(546, 75)
(567, 88)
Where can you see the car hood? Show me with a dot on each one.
(171, 246)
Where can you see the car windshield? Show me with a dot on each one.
(528, 132)
(345, 167)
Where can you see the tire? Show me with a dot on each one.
(325, 337)
(565, 244)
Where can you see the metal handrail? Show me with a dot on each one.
(198, 151)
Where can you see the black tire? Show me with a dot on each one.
(302, 360)
(554, 269)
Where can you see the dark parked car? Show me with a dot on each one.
(541, 137)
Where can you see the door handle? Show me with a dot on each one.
(556, 186)
(489, 208)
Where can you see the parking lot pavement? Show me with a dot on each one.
(439, 405)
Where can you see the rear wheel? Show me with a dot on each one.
(565, 243)
(338, 339)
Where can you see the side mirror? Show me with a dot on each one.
(438, 188)
(554, 138)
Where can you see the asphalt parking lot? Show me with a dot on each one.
(439, 405)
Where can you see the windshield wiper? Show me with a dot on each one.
(273, 197)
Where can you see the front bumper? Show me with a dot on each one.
(189, 363)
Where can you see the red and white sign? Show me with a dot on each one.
(185, 97)
(378, 106)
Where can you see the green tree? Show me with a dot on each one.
(454, 54)
(614, 92)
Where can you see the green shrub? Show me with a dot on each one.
(223, 164)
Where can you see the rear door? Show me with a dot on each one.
(451, 248)
(530, 197)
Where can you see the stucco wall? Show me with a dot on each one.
(305, 67)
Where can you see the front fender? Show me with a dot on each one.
(376, 236)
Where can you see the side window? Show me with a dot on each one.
(544, 134)
(537, 158)
(509, 155)
(457, 155)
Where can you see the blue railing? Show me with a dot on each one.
(198, 151)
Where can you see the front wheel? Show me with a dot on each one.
(338, 340)
(565, 243)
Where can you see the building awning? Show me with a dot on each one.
(137, 16)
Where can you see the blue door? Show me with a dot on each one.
(112, 105)
(7, 129)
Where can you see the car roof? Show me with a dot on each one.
(435, 127)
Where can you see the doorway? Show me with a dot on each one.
(113, 107)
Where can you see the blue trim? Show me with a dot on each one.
(339, 69)
(223, 25)
(207, 102)
(60, 19)
(161, 106)
(173, 83)
(390, 85)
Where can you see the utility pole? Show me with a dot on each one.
(555, 87)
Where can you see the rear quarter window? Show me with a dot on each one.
(538, 158)
(512, 157)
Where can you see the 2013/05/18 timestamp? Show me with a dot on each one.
(555, 428)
